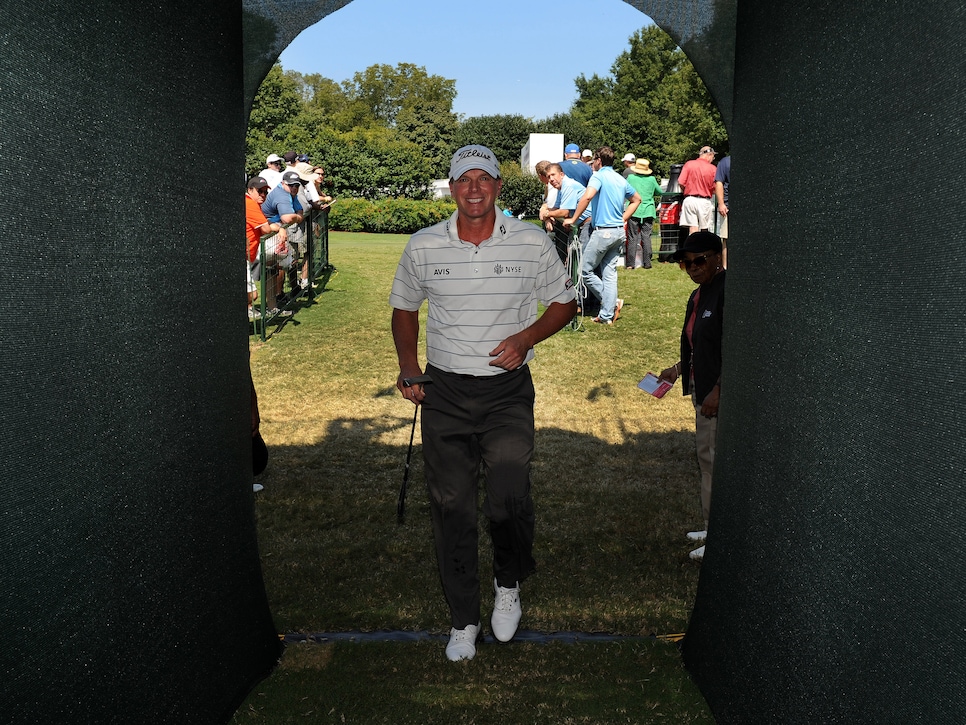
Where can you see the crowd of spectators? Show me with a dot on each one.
(568, 180)
(584, 191)
(278, 203)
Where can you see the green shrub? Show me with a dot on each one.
(388, 216)
(522, 191)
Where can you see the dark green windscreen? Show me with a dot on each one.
(832, 590)
(131, 588)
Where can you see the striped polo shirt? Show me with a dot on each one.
(478, 295)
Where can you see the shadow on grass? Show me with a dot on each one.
(610, 545)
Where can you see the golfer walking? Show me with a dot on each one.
(483, 274)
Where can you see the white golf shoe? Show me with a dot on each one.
(462, 643)
(506, 612)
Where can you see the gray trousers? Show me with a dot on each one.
(472, 426)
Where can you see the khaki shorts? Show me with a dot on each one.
(697, 212)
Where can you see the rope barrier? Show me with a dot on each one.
(523, 635)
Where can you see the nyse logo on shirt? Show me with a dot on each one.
(500, 269)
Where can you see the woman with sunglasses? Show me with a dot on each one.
(700, 365)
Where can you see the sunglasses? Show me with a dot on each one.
(696, 262)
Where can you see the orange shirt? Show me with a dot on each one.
(254, 218)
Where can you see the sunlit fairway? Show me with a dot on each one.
(615, 485)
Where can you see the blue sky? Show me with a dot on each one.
(511, 56)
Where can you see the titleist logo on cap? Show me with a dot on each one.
(474, 157)
(473, 153)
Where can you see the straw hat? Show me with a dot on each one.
(642, 167)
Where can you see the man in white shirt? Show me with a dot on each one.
(482, 274)
(272, 173)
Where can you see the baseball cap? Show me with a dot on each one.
(587, 154)
(272, 158)
(473, 157)
(291, 177)
(257, 182)
(290, 156)
(572, 148)
(629, 157)
(702, 241)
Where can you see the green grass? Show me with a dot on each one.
(615, 486)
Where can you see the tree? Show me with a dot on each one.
(505, 136)
(432, 127)
(275, 110)
(522, 193)
(385, 90)
(375, 163)
(653, 104)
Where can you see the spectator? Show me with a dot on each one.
(697, 181)
(256, 226)
(540, 168)
(587, 156)
(282, 206)
(573, 167)
(567, 193)
(640, 225)
(309, 198)
(700, 365)
(629, 161)
(605, 193)
(272, 173)
(319, 182)
(722, 179)
(478, 409)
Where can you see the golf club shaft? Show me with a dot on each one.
(401, 503)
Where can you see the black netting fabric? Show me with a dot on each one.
(131, 587)
(832, 589)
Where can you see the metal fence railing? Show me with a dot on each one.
(281, 271)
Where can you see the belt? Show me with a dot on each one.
(616, 226)
(464, 376)
(698, 196)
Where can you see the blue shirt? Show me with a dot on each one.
(723, 174)
(577, 170)
(568, 195)
(279, 202)
(607, 206)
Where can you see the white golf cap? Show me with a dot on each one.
(587, 154)
(629, 157)
(272, 158)
(474, 157)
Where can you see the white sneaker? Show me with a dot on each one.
(697, 554)
(697, 535)
(506, 612)
(462, 643)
